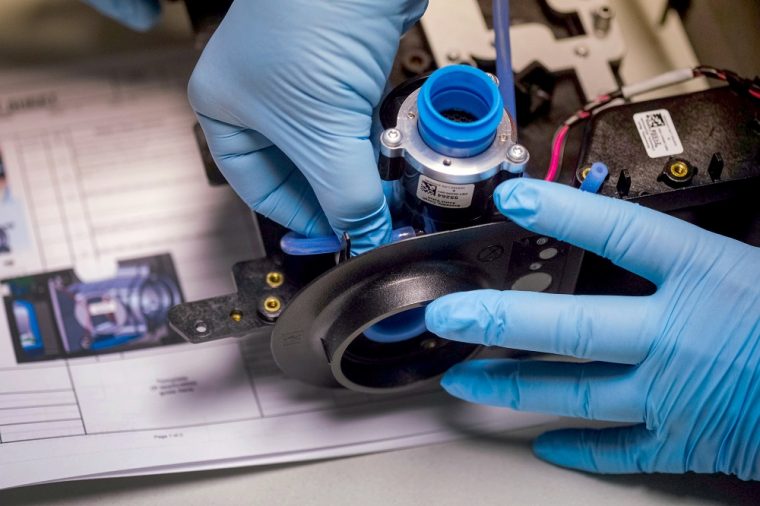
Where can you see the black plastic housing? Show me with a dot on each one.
(720, 133)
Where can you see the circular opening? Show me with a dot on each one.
(236, 315)
(460, 109)
(399, 327)
(679, 169)
(370, 365)
(274, 279)
(272, 304)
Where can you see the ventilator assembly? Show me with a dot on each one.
(447, 144)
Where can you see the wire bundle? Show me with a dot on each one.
(751, 87)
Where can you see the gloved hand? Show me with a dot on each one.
(138, 15)
(683, 365)
(285, 92)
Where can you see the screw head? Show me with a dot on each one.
(452, 56)
(517, 153)
(392, 137)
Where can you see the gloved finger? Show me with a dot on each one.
(265, 178)
(612, 329)
(616, 450)
(596, 390)
(343, 174)
(140, 15)
(643, 241)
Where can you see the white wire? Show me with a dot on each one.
(657, 82)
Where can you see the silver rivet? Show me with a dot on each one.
(446, 162)
(582, 51)
(411, 115)
(535, 266)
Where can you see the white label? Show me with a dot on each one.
(658, 133)
(452, 196)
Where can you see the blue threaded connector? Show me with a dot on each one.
(595, 178)
(460, 109)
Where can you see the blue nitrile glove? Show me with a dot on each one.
(138, 15)
(285, 92)
(683, 365)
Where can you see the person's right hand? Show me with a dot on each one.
(285, 91)
(682, 365)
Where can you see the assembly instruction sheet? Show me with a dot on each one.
(106, 221)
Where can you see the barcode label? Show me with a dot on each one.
(452, 196)
(658, 133)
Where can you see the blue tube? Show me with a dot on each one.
(504, 55)
(399, 327)
(298, 245)
(593, 181)
(460, 109)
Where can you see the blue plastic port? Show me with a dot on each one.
(460, 109)
(399, 327)
(595, 178)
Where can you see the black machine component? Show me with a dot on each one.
(320, 340)
(677, 152)
(696, 156)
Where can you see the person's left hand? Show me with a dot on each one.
(140, 15)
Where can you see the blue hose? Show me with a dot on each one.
(504, 55)
(294, 244)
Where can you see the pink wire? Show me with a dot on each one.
(754, 93)
(551, 174)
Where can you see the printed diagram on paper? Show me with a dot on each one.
(106, 221)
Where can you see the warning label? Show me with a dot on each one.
(452, 196)
(658, 133)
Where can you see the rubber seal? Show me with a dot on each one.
(466, 92)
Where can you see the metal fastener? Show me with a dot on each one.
(275, 279)
(602, 19)
(582, 51)
(272, 304)
(517, 153)
(392, 137)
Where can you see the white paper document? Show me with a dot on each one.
(106, 221)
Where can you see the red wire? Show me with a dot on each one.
(754, 93)
(559, 141)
